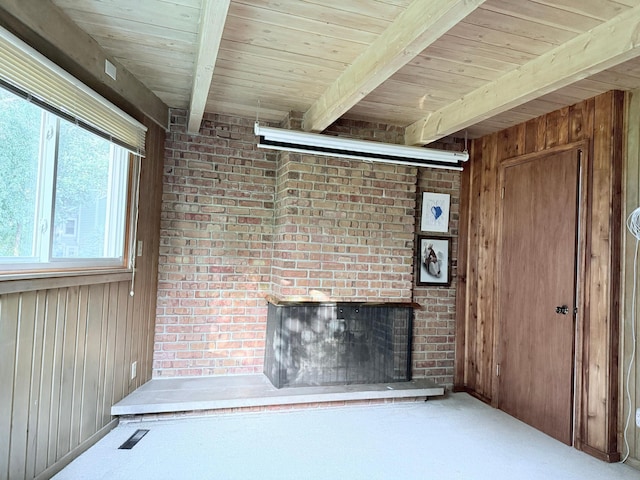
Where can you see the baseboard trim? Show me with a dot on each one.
(633, 462)
(473, 393)
(76, 452)
(611, 457)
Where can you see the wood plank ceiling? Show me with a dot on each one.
(437, 67)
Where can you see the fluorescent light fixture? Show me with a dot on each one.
(327, 145)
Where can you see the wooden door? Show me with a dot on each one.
(538, 259)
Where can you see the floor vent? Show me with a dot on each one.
(133, 439)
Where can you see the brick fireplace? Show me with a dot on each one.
(314, 343)
(240, 224)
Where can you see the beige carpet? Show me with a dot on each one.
(456, 437)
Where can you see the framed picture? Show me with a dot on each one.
(435, 212)
(433, 261)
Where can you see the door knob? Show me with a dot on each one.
(563, 310)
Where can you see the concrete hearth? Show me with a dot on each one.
(201, 394)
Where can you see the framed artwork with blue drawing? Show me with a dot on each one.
(435, 212)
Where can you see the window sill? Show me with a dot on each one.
(25, 282)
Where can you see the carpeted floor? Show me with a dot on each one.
(456, 437)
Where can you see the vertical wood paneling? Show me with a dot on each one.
(151, 189)
(129, 340)
(47, 367)
(535, 134)
(36, 379)
(581, 121)
(134, 350)
(8, 340)
(616, 225)
(66, 351)
(65, 354)
(601, 281)
(79, 365)
(101, 405)
(598, 121)
(462, 287)
(22, 383)
(511, 142)
(122, 294)
(91, 373)
(56, 390)
(630, 371)
(68, 361)
(110, 352)
(62, 366)
(472, 274)
(557, 129)
(486, 267)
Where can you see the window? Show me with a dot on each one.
(63, 192)
(70, 227)
(65, 167)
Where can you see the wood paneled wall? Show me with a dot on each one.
(629, 436)
(600, 122)
(67, 344)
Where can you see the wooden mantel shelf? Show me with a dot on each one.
(278, 302)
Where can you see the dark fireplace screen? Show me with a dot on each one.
(338, 344)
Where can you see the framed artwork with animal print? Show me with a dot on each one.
(433, 261)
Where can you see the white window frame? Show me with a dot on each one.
(118, 234)
(34, 77)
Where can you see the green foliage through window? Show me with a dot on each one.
(63, 191)
(20, 140)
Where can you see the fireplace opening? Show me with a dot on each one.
(338, 343)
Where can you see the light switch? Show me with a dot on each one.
(110, 69)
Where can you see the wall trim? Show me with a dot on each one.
(76, 452)
(71, 279)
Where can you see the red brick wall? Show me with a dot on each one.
(215, 249)
(433, 349)
(239, 223)
(344, 230)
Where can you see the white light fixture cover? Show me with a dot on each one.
(326, 145)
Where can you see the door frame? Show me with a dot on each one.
(584, 152)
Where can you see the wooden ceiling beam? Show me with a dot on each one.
(213, 15)
(609, 44)
(417, 27)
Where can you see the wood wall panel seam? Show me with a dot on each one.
(462, 286)
(629, 310)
